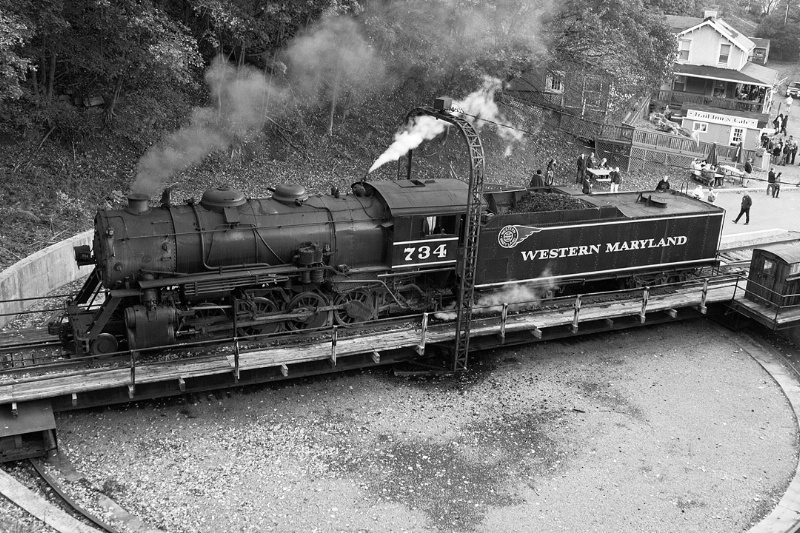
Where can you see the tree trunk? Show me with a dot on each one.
(110, 109)
(52, 77)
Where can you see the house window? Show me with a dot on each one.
(679, 84)
(554, 82)
(737, 136)
(724, 53)
(683, 49)
(702, 127)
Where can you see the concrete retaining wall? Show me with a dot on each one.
(40, 274)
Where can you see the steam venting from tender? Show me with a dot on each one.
(520, 297)
(479, 108)
(321, 65)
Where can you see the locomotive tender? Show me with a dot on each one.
(176, 273)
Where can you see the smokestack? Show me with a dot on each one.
(138, 203)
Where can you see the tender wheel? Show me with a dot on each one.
(261, 308)
(353, 307)
(105, 343)
(307, 303)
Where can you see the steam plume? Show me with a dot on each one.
(239, 95)
(479, 108)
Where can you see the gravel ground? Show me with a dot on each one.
(609, 433)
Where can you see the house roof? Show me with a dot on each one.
(678, 24)
(684, 25)
(751, 74)
(759, 42)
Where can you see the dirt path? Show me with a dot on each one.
(671, 428)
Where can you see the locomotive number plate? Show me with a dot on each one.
(424, 252)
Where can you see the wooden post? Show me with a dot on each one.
(132, 385)
(576, 316)
(236, 360)
(334, 338)
(703, 298)
(645, 297)
(420, 348)
(503, 318)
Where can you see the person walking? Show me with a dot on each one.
(747, 202)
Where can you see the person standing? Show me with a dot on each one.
(587, 185)
(748, 170)
(771, 180)
(777, 148)
(550, 173)
(787, 152)
(776, 187)
(616, 179)
(793, 151)
(537, 180)
(746, 203)
(581, 168)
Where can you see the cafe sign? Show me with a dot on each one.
(727, 120)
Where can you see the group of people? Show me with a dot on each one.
(783, 151)
(584, 177)
(547, 179)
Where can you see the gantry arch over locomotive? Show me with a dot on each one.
(294, 261)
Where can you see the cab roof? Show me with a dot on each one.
(416, 197)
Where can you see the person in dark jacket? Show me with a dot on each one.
(581, 168)
(748, 170)
(537, 180)
(663, 185)
(771, 181)
(746, 203)
(587, 185)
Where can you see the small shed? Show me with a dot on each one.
(760, 52)
(774, 279)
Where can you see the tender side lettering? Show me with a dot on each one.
(610, 247)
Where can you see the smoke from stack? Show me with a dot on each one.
(479, 108)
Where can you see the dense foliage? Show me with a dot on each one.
(98, 97)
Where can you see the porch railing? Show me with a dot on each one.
(679, 98)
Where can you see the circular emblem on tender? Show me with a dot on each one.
(508, 237)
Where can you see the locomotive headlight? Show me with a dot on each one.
(110, 232)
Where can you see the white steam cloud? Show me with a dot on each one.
(520, 297)
(325, 65)
(479, 108)
(240, 96)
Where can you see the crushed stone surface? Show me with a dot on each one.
(670, 428)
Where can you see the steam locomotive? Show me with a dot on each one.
(226, 265)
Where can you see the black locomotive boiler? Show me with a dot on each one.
(230, 265)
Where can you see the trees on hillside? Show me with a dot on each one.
(52, 51)
(616, 38)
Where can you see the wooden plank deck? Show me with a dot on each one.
(414, 337)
